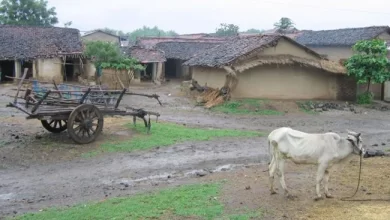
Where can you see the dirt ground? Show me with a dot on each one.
(39, 169)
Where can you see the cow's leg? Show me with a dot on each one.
(281, 178)
(272, 169)
(326, 181)
(320, 176)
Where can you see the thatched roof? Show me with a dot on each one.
(184, 50)
(150, 42)
(144, 55)
(340, 37)
(28, 42)
(326, 65)
(239, 47)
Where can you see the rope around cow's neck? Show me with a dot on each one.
(357, 188)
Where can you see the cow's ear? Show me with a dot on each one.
(358, 135)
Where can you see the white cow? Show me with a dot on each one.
(305, 148)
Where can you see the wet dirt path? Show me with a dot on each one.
(36, 185)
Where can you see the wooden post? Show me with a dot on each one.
(20, 84)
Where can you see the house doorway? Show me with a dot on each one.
(71, 70)
(29, 66)
(175, 70)
(170, 69)
(7, 68)
(149, 73)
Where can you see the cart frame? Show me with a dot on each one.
(82, 117)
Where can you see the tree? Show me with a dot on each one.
(253, 31)
(141, 32)
(108, 55)
(150, 32)
(68, 24)
(227, 30)
(284, 24)
(369, 65)
(27, 12)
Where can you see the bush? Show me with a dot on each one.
(365, 98)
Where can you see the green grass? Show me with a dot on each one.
(191, 200)
(3, 143)
(245, 216)
(305, 107)
(90, 154)
(245, 106)
(165, 134)
(199, 200)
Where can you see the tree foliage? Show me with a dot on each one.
(369, 64)
(284, 24)
(253, 31)
(107, 55)
(150, 32)
(227, 30)
(141, 32)
(27, 12)
(68, 24)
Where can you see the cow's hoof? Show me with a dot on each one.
(318, 198)
(329, 196)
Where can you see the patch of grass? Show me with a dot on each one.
(306, 107)
(365, 98)
(186, 201)
(90, 154)
(165, 134)
(2, 143)
(246, 106)
(245, 216)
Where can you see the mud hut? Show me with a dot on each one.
(177, 53)
(50, 53)
(273, 67)
(152, 59)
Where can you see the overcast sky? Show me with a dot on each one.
(203, 16)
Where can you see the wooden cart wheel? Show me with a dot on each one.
(54, 126)
(85, 123)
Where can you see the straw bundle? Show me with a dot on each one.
(217, 101)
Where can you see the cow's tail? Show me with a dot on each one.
(270, 152)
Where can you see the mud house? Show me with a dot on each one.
(274, 67)
(50, 53)
(337, 45)
(177, 53)
(177, 50)
(152, 59)
(99, 35)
